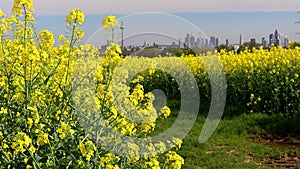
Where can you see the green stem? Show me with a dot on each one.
(25, 26)
(112, 34)
(72, 42)
(2, 44)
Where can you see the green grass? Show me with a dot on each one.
(237, 141)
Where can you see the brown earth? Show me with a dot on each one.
(290, 157)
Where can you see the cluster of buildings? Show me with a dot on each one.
(274, 38)
(213, 42)
(190, 41)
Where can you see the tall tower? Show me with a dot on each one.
(227, 42)
(241, 39)
(264, 42)
(276, 34)
(187, 41)
(122, 27)
(192, 41)
(286, 41)
(271, 39)
(217, 42)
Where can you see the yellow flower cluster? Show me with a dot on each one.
(64, 130)
(47, 39)
(40, 122)
(110, 22)
(166, 111)
(19, 5)
(87, 149)
(266, 79)
(153, 163)
(274, 70)
(109, 160)
(43, 138)
(174, 161)
(2, 14)
(21, 142)
(75, 17)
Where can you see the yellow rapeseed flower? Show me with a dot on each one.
(110, 22)
(2, 14)
(3, 111)
(18, 6)
(25, 160)
(76, 16)
(32, 149)
(28, 167)
(166, 111)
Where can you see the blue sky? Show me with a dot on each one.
(61, 7)
(221, 18)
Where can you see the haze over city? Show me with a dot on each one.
(223, 19)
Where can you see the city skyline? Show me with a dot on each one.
(222, 25)
(223, 19)
(212, 42)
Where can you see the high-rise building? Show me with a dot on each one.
(181, 44)
(281, 40)
(271, 37)
(227, 42)
(252, 43)
(286, 41)
(198, 42)
(212, 41)
(201, 42)
(264, 42)
(217, 42)
(206, 45)
(187, 41)
(122, 27)
(276, 36)
(192, 41)
(241, 39)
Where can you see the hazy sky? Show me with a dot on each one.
(221, 18)
(61, 7)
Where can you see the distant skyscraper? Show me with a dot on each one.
(286, 41)
(192, 41)
(241, 39)
(187, 41)
(276, 36)
(264, 42)
(212, 41)
(122, 27)
(206, 43)
(173, 46)
(271, 37)
(181, 45)
(227, 42)
(217, 42)
(198, 42)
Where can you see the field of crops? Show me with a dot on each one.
(263, 80)
(58, 102)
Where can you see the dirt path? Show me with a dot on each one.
(290, 157)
